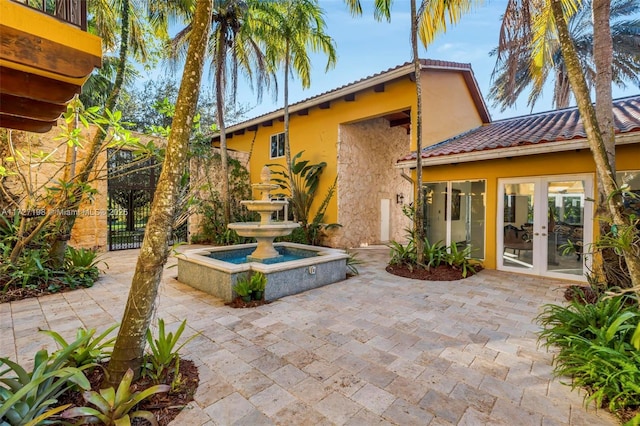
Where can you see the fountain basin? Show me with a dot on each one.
(264, 233)
(316, 267)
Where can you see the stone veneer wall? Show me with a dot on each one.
(367, 153)
(90, 229)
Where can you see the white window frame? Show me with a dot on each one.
(276, 138)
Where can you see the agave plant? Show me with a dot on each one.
(28, 396)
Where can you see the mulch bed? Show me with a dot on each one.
(581, 293)
(441, 273)
(13, 294)
(239, 303)
(164, 406)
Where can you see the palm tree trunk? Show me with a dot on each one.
(64, 224)
(595, 138)
(287, 146)
(603, 58)
(224, 155)
(419, 216)
(129, 346)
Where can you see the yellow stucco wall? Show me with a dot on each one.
(446, 107)
(46, 27)
(450, 111)
(569, 163)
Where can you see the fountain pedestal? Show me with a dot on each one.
(264, 231)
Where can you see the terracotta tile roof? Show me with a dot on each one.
(548, 127)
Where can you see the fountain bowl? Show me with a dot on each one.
(207, 270)
(264, 206)
(258, 229)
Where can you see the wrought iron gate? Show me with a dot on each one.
(130, 192)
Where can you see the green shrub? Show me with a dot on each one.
(598, 348)
(300, 182)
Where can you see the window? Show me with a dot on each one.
(631, 199)
(454, 212)
(277, 145)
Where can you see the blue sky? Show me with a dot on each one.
(366, 46)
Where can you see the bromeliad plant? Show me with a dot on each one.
(90, 351)
(113, 407)
(164, 350)
(435, 254)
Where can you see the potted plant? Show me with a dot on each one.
(243, 288)
(258, 283)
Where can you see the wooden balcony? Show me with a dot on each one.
(45, 58)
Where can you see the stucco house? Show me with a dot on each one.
(515, 190)
(360, 130)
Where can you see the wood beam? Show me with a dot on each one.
(239, 132)
(267, 123)
(378, 88)
(400, 122)
(325, 105)
(37, 110)
(26, 124)
(36, 87)
(350, 97)
(252, 128)
(304, 111)
(27, 49)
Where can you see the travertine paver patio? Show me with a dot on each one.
(374, 349)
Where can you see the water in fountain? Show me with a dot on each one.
(266, 230)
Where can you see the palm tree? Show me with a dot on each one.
(233, 45)
(293, 28)
(598, 121)
(133, 39)
(426, 22)
(128, 350)
(512, 73)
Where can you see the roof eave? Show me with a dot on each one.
(366, 84)
(533, 149)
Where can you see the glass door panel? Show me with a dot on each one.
(541, 225)
(565, 215)
(467, 216)
(435, 211)
(517, 225)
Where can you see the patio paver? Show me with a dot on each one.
(374, 349)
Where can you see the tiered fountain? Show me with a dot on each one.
(290, 268)
(264, 231)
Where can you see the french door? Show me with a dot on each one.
(545, 225)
